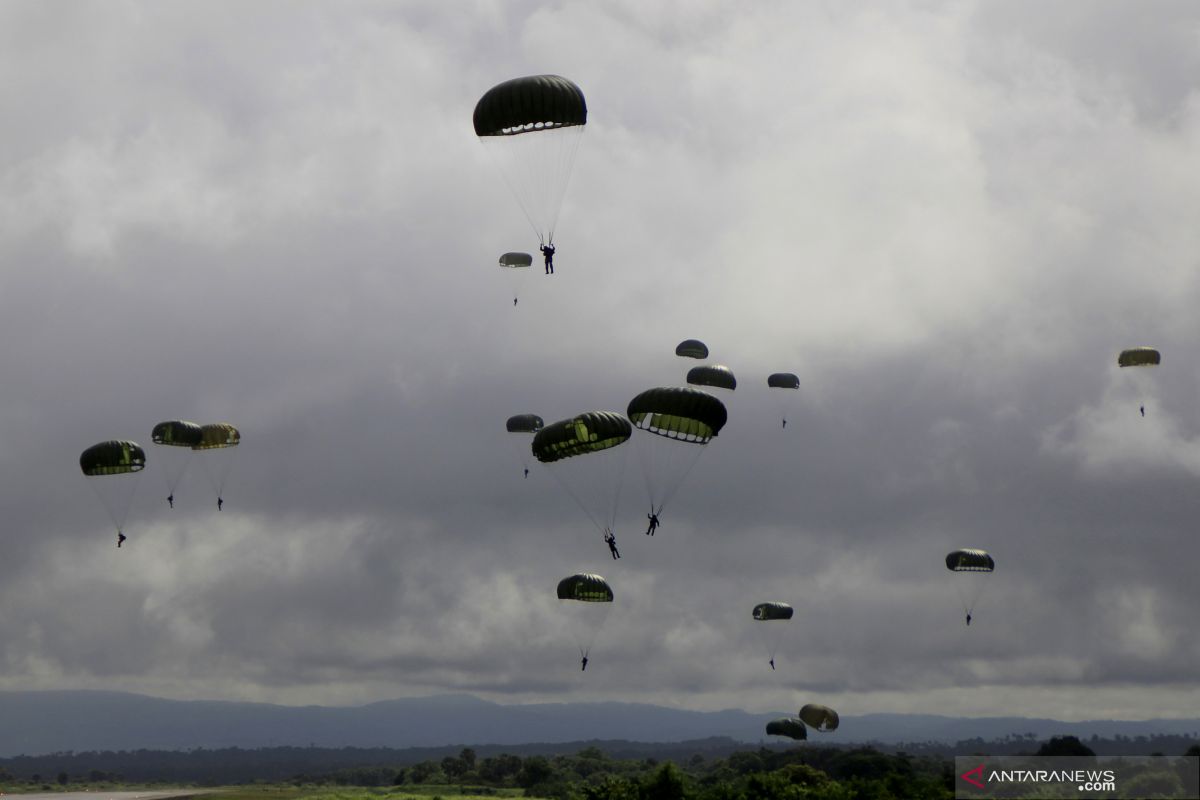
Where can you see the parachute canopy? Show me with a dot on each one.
(217, 435)
(712, 375)
(692, 348)
(680, 413)
(1139, 357)
(524, 423)
(516, 260)
(970, 561)
(783, 380)
(585, 433)
(115, 457)
(177, 433)
(787, 726)
(823, 718)
(765, 612)
(585, 587)
(533, 103)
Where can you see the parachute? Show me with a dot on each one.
(771, 612)
(218, 443)
(515, 265)
(178, 437)
(691, 348)
(789, 727)
(524, 424)
(818, 717)
(591, 476)
(712, 375)
(679, 417)
(532, 127)
(783, 380)
(109, 461)
(970, 566)
(1139, 357)
(595, 597)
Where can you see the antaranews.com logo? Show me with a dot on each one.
(1083, 777)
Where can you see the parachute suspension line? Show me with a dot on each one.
(578, 501)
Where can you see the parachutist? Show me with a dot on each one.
(120, 538)
(548, 254)
(171, 500)
(527, 472)
(1143, 410)
(583, 664)
(653, 523)
(220, 502)
(514, 302)
(785, 423)
(968, 619)
(772, 663)
(611, 539)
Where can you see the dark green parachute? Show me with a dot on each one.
(1139, 357)
(177, 433)
(586, 588)
(970, 561)
(765, 612)
(691, 348)
(115, 457)
(590, 432)
(688, 415)
(822, 718)
(524, 423)
(789, 727)
(526, 105)
(712, 375)
(515, 260)
(217, 435)
(783, 380)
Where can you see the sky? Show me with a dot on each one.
(947, 218)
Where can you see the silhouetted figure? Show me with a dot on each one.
(527, 472)
(772, 663)
(653, 523)
(785, 423)
(220, 502)
(968, 618)
(611, 539)
(1143, 410)
(583, 664)
(548, 255)
(120, 538)
(514, 302)
(171, 500)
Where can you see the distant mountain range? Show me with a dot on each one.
(36, 723)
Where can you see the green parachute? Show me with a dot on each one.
(178, 437)
(523, 424)
(819, 717)
(1142, 381)
(591, 599)
(1139, 357)
(516, 267)
(771, 612)
(680, 418)
(970, 567)
(783, 400)
(532, 127)
(789, 727)
(218, 443)
(716, 375)
(691, 348)
(111, 463)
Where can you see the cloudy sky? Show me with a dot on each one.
(947, 218)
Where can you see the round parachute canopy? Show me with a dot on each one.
(585, 587)
(822, 718)
(177, 433)
(787, 726)
(692, 348)
(516, 260)
(765, 612)
(689, 415)
(1139, 357)
(116, 457)
(533, 103)
(712, 375)
(216, 435)
(783, 380)
(970, 561)
(585, 433)
(524, 423)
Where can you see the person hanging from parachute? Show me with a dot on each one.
(219, 440)
(610, 539)
(973, 563)
(177, 437)
(110, 462)
(1140, 357)
(771, 612)
(120, 538)
(548, 255)
(594, 597)
(783, 380)
(654, 523)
